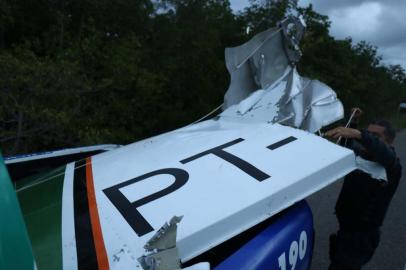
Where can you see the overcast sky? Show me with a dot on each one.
(382, 23)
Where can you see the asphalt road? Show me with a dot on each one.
(391, 253)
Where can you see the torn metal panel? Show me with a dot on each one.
(167, 259)
(265, 86)
(376, 170)
(254, 65)
(264, 59)
(165, 237)
(164, 253)
(293, 100)
(293, 31)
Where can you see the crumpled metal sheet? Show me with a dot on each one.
(262, 60)
(376, 170)
(293, 31)
(293, 100)
(266, 87)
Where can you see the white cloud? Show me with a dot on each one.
(381, 23)
(359, 22)
(395, 55)
(238, 5)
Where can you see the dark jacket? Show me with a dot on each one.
(364, 201)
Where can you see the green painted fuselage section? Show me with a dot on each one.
(15, 246)
(40, 198)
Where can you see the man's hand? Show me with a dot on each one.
(347, 133)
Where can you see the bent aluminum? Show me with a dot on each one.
(266, 87)
(164, 254)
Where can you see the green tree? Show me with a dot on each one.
(85, 72)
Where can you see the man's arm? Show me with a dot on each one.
(381, 152)
(353, 122)
(347, 133)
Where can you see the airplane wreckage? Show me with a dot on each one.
(224, 194)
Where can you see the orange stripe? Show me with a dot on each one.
(101, 253)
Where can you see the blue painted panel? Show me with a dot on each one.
(286, 244)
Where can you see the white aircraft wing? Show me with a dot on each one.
(222, 177)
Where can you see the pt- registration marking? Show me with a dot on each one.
(129, 209)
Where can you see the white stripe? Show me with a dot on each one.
(59, 153)
(69, 256)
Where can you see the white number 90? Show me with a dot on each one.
(296, 250)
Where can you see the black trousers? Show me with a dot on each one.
(350, 250)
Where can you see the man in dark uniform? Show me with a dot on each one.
(364, 200)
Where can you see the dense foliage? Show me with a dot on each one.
(86, 72)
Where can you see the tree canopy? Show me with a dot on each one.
(76, 73)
